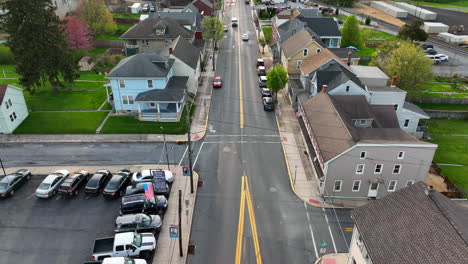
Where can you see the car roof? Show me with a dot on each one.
(217, 77)
(7, 178)
(265, 90)
(259, 60)
(50, 178)
(117, 177)
(129, 218)
(268, 99)
(64, 172)
(263, 78)
(134, 198)
(261, 67)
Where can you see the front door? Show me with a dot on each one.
(373, 189)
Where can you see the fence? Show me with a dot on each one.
(438, 100)
(447, 114)
(108, 44)
(452, 190)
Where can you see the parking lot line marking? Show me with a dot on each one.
(196, 158)
(183, 155)
(329, 229)
(30, 196)
(253, 224)
(58, 197)
(240, 227)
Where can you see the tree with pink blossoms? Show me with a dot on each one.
(79, 36)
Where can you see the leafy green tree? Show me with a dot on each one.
(406, 61)
(350, 33)
(262, 42)
(97, 16)
(38, 42)
(212, 29)
(277, 78)
(413, 32)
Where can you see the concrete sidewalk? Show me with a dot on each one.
(197, 129)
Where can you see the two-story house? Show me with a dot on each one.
(409, 115)
(154, 33)
(13, 109)
(145, 85)
(413, 225)
(186, 18)
(64, 7)
(298, 48)
(358, 150)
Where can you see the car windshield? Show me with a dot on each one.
(44, 186)
(217, 80)
(3, 185)
(113, 184)
(146, 220)
(137, 240)
(129, 261)
(93, 182)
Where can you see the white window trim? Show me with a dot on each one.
(357, 167)
(148, 84)
(120, 84)
(412, 182)
(334, 185)
(305, 52)
(394, 186)
(298, 64)
(402, 156)
(365, 155)
(359, 186)
(128, 100)
(155, 106)
(381, 169)
(399, 169)
(404, 123)
(318, 50)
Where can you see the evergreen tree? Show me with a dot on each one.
(38, 42)
(350, 34)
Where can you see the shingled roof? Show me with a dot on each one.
(146, 29)
(316, 60)
(3, 89)
(414, 225)
(142, 65)
(297, 42)
(186, 52)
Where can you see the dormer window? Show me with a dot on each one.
(160, 31)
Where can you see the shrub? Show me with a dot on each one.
(6, 56)
(368, 20)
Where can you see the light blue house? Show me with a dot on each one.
(144, 85)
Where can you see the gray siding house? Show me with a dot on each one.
(358, 150)
(64, 7)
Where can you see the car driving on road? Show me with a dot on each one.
(217, 82)
(114, 188)
(97, 182)
(50, 184)
(12, 182)
(245, 37)
(71, 186)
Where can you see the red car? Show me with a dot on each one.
(217, 83)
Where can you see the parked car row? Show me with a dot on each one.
(267, 100)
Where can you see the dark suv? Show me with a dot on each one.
(73, 183)
(138, 222)
(138, 203)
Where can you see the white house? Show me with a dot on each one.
(13, 109)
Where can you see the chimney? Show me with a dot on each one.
(313, 37)
(394, 78)
(429, 190)
(349, 57)
(170, 50)
(324, 88)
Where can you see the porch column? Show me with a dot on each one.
(159, 114)
(178, 110)
(139, 111)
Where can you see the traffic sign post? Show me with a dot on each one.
(323, 250)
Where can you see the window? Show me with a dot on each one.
(347, 88)
(318, 50)
(363, 154)
(152, 105)
(145, 42)
(127, 99)
(378, 169)
(396, 169)
(119, 248)
(356, 185)
(406, 123)
(401, 155)
(360, 169)
(122, 83)
(13, 117)
(396, 107)
(299, 62)
(305, 52)
(337, 186)
(362, 122)
(392, 186)
(409, 183)
(150, 84)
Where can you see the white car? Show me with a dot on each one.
(443, 57)
(50, 184)
(145, 176)
(225, 28)
(436, 59)
(145, 8)
(122, 260)
(245, 37)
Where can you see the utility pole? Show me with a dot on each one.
(165, 148)
(1, 162)
(181, 253)
(189, 147)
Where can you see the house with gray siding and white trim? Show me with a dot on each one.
(358, 150)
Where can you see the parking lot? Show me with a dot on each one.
(56, 230)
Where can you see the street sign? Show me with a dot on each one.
(323, 250)
(173, 231)
(324, 244)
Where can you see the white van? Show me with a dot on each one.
(234, 22)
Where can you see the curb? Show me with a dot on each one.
(291, 179)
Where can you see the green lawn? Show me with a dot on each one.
(121, 28)
(439, 95)
(451, 148)
(267, 33)
(125, 15)
(92, 76)
(130, 125)
(457, 174)
(97, 51)
(107, 106)
(46, 101)
(369, 34)
(366, 51)
(444, 107)
(61, 123)
(462, 3)
(99, 85)
(441, 87)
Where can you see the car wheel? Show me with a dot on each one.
(76, 192)
(54, 192)
(28, 177)
(12, 192)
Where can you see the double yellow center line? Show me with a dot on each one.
(245, 196)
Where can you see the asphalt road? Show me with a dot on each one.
(288, 230)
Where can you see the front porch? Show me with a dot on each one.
(160, 111)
